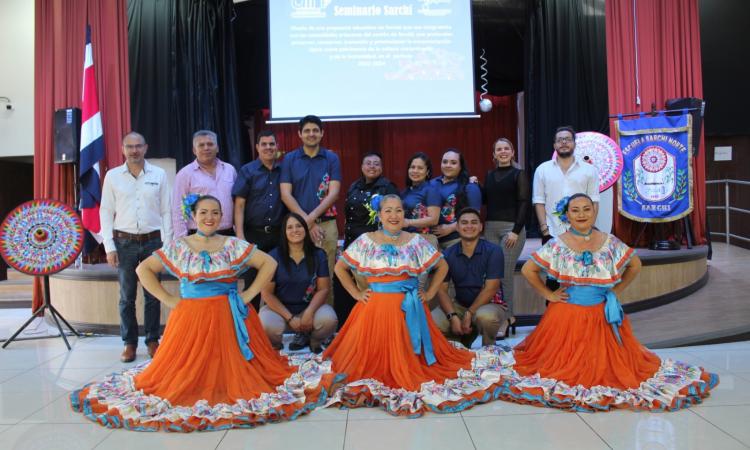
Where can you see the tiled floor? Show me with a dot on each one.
(36, 376)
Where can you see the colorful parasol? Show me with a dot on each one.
(41, 237)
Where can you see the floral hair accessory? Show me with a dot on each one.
(372, 207)
(187, 204)
(561, 209)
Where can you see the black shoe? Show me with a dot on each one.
(299, 342)
(327, 341)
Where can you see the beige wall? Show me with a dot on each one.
(17, 77)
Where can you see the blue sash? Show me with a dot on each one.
(416, 319)
(593, 295)
(238, 307)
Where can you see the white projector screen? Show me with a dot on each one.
(360, 59)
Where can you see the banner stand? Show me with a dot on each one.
(657, 179)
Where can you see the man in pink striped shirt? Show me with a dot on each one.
(207, 175)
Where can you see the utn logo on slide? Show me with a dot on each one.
(428, 10)
(309, 9)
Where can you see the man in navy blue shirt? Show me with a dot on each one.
(257, 200)
(475, 267)
(310, 185)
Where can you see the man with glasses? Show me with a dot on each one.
(135, 218)
(561, 177)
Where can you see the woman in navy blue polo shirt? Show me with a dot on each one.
(456, 192)
(295, 299)
(421, 199)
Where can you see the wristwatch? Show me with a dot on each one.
(449, 316)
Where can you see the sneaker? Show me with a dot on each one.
(299, 342)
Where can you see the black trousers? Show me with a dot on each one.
(343, 303)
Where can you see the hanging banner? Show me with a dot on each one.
(657, 175)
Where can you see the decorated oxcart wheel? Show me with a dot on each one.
(604, 153)
(601, 151)
(41, 237)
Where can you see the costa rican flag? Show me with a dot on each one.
(92, 145)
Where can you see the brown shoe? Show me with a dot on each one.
(128, 355)
(152, 348)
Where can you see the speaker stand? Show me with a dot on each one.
(47, 305)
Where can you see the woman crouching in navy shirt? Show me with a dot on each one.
(295, 299)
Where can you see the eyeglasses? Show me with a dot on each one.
(136, 146)
(563, 140)
(371, 164)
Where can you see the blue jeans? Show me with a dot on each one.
(130, 253)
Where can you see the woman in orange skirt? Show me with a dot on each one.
(215, 368)
(583, 355)
(389, 343)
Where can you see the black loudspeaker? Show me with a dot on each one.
(67, 135)
(698, 106)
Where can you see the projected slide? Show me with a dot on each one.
(349, 59)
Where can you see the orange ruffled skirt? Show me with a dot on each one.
(575, 345)
(374, 343)
(199, 366)
(374, 347)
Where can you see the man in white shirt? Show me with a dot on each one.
(135, 219)
(561, 177)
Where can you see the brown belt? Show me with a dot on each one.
(136, 237)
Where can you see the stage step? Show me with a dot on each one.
(16, 291)
(718, 312)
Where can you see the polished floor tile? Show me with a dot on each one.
(26, 358)
(58, 411)
(326, 414)
(309, 435)
(732, 390)
(91, 359)
(53, 436)
(50, 379)
(732, 419)
(677, 430)
(377, 413)
(728, 360)
(537, 431)
(447, 433)
(499, 408)
(128, 440)
(6, 375)
(16, 406)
